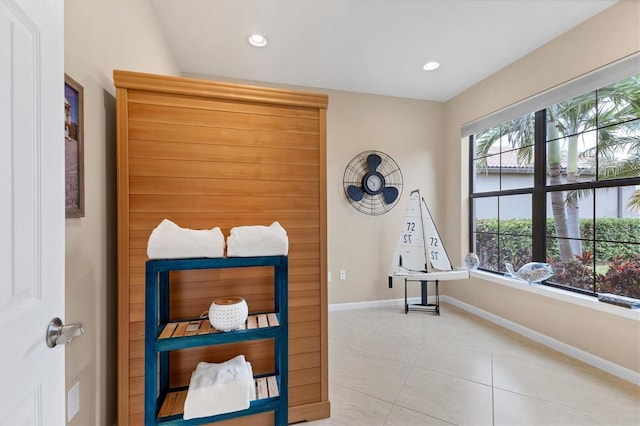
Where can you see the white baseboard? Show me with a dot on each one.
(579, 354)
(586, 357)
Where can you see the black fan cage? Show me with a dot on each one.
(354, 172)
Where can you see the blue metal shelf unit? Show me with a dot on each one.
(164, 405)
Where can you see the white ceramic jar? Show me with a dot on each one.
(228, 313)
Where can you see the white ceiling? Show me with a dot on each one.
(370, 46)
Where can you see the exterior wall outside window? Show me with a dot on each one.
(608, 203)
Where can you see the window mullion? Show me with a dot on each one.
(472, 177)
(539, 201)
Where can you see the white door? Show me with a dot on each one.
(32, 390)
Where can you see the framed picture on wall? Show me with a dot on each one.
(73, 148)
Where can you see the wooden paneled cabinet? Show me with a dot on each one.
(206, 154)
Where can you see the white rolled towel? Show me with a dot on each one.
(219, 388)
(170, 241)
(258, 240)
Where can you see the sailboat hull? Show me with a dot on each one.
(456, 274)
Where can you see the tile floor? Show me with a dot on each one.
(388, 368)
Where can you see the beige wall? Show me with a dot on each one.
(100, 36)
(607, 37)
(412, 133)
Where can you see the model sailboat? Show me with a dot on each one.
(420, 254)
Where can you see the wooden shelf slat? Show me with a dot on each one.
(168, 330)
(168, 405)
(272, 386)
(179, 329)
(173, 405)
(273, 320)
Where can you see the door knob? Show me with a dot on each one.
(60, 334)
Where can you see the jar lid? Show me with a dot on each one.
(229, 300)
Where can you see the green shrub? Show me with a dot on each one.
(619, 248)
(517, 236)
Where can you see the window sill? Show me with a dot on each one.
(559, 294)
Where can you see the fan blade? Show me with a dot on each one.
(355, 193)
(373, 161)
(389, 194)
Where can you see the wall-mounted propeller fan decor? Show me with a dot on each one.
(372, 182)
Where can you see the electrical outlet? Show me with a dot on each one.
(73, 401)
(329, 276)
(343, 274)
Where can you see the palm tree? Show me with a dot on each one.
(565, 121)
(618, 151)
(554, 171)
(569, 119)
(634, 201)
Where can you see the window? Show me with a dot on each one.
(562, 185)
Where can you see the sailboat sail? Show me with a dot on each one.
(420, 249)
(410, 252)
(437, 254)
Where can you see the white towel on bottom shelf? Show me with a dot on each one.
(258, 240)
(219, 388)
(170, 241)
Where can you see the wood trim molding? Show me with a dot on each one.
(324, 314)
(206, 88)
(309, 412)
(122, 173)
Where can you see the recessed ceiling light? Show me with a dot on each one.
(257, 40)
(430, 66)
